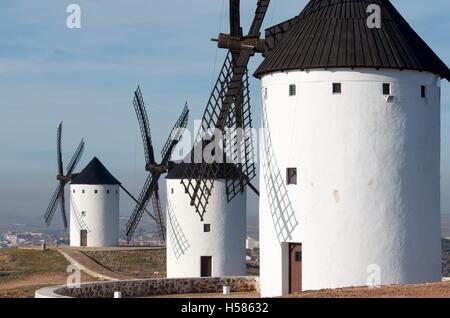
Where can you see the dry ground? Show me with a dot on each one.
(212, 295)
(23, 271)
(433, 290)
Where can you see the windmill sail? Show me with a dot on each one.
(229, 98)
(58, 197)
(150, 190)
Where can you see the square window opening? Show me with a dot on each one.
(206, 228)
(423, 91)
(337, 88)
(291, 176)
(386, 89)
(292, 90)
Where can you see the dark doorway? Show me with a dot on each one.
(83, 238)
(206, 266)
(295, 268)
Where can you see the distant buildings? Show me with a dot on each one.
(251, 243)
(11, 238)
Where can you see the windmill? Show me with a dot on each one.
(150, 190)
(58, 196)
(228, 109)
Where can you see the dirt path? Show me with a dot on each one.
(88, 265)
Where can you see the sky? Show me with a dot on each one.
(86, 78)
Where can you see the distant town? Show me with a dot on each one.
(26, 238)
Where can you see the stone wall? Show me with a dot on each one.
(445, 258)
(153, 287)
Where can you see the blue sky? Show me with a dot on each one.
(86, 78)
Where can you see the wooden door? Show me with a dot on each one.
(295, 268)
(206, 266)
(83, 238)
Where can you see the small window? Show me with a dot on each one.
(171, 190)
(386, 89)
(117, 191)
(82, 191)
(83, 214)
(291, 177)
(337, 88)
(292, 90)
(206, 228)
(298, 256)
(95, 191)
(265, 93)
(423, 91)
(73, 191)
(107, 191)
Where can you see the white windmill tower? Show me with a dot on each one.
(215, 246)
(350, 167)
(194, 249)
(94, 201)
(94, 207)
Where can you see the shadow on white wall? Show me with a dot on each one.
(177, 237)
(283, 215)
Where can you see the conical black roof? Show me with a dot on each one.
(94, 173)
(334, 34)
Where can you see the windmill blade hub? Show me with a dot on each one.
(64, 179)
(237, 44)
(156, 168)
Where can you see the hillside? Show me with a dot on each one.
(22, 271)
(142, 263)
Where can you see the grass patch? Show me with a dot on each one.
(19, 263)
(23, 271)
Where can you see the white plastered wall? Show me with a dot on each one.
(101, 214)
(368, 187)
(187, 242)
